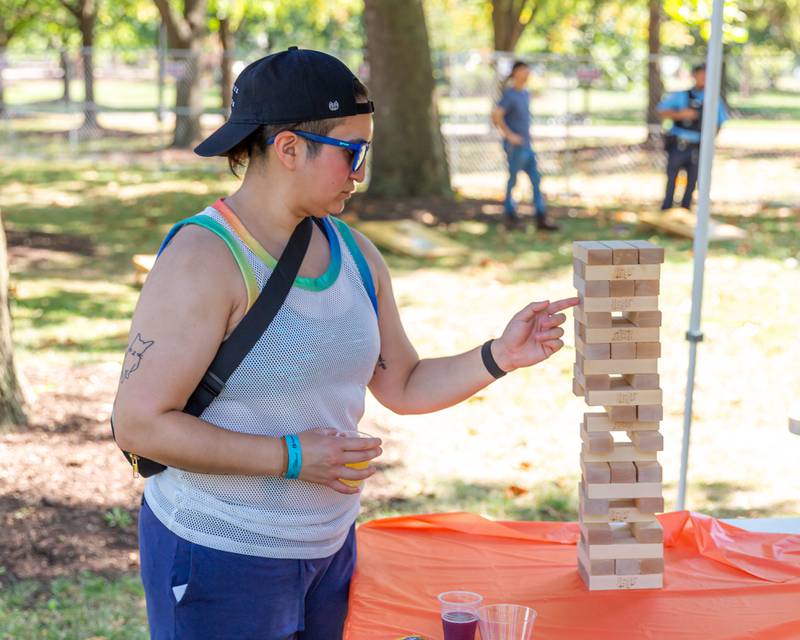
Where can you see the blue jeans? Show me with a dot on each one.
(523, 158)
(197, 593)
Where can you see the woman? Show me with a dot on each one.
(238, 539)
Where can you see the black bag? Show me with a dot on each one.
(244, 336)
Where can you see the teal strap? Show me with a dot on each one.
(360, 260)
(295, 454)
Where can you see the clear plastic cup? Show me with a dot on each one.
(354, 465)
(506, 622)
(459, 614)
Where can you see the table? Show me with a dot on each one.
(721, 581)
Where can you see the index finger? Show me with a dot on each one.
(560, 305)
(359, 444)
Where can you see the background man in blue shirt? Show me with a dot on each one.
(512, 117)
(685, 109)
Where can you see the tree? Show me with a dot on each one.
(184, 33)
(85, 13)
(509, 19)
(654, 85)
(15, 16)
(11, 401)
(409, 155)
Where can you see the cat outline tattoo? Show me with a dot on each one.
(137, 348)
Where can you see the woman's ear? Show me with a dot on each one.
(287, 149)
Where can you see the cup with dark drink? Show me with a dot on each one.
(459, 614)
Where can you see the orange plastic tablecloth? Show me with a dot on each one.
(720, 583)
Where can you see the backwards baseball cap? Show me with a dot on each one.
(296, 85)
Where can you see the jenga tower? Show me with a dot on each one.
(616, 368)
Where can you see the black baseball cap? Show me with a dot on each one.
(700, 66)
(295, 85)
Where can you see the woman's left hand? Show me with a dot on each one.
(532, 335)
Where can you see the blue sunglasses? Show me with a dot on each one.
(357, 149)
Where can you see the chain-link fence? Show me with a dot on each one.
(589, 116)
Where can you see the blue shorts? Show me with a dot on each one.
(197, 593)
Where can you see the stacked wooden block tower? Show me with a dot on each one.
(616, 369)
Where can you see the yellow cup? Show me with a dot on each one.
(354, 465)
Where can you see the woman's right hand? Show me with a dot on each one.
(326, 452)
(514, 139)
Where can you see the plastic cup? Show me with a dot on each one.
(506, 622)
(354, 465)
(459, 614)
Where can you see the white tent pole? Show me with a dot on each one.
(708, 134)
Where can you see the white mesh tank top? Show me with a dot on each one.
(309, 370)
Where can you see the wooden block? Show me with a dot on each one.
(622, 452)
(593, 318)
(627, 366)
(624, 491)
(641, 380)
(593, 288)
(597, 441)
(577, 389)
(650, 413)
(623, 351)
(621, 413)
(622, 252)
(615, 582)
(647, 532)
(622, 472)
(621, 331)
(592, 252)
(591, 382)
(648, 471)
(590, 506)
(628, 567)
(579, 267)
(652, 565)
(596, 567)
(650, 505)
(618, 272)
(592, 351)
(648, 350)
(601, 422)
(627, 303)
(621, 394)
(648, 252)
(597, 533)
(624, 549)
(618, 511)
(596, 472)
(646, 288)
(647, 440)
(621, 288)
(644, 318)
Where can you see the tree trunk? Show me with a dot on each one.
(654, 85)
(66, 68)
(184, 32)
(507, 23)
(87, 55)
(2, 87)
(11, 401)
(226, 84)
(409, 153)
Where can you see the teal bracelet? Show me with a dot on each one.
(295, 457)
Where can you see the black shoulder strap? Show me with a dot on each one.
(255, 322)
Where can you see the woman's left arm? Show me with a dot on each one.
(407, 384)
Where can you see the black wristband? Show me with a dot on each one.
(489, 361)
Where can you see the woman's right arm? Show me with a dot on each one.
(192, 299)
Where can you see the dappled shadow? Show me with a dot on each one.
(718, 499)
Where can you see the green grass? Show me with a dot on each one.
(75, 307)
(84, 606)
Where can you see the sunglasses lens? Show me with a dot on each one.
(359, 157)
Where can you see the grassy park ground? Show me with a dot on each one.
(67, 501)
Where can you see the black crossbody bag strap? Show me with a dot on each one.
(244, 336)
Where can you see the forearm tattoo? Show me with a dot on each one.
(134, 355)
(381, 362)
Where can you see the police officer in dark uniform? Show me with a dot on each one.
(682, 142)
